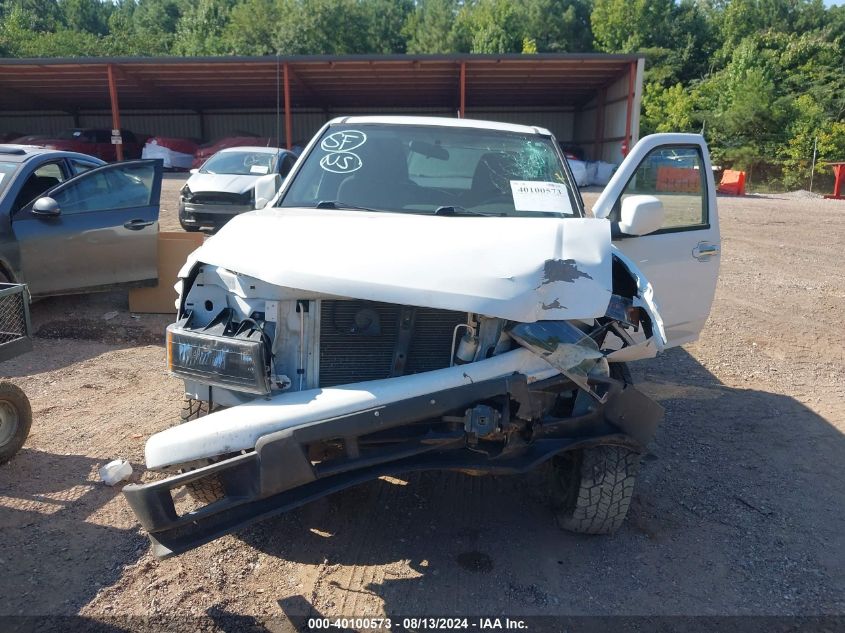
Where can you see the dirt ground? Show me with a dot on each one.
(739, 508)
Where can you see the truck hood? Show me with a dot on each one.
(230, 183)
(521, 269)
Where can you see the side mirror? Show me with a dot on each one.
(640, 215)
(46, 207)
(265, 188)
(195, 170)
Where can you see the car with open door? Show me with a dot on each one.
(72, 223)
(430, 293)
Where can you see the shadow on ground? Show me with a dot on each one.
(738, 511)
(65, 551)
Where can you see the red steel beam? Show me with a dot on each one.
(115, 109)
(632, 72)
(600, 106)
(288, 119)
(462, 109)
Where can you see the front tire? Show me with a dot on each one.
(208, 489)
(593, 486)
(15, 420)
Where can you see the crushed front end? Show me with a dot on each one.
(317, 393)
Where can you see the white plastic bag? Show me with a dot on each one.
(115, 471)
(579, 170)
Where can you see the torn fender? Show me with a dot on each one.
(647, 347)
(239, 428)
(520, 269)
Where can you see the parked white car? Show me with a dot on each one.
(430, 293)
(225, 185)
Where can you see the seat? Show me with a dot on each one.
(491, 178)
(383, 161)
(33, 188)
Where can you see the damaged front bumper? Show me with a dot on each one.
(279, 474)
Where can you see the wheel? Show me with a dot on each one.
(15, 420)
(593, 487)
(209, 489)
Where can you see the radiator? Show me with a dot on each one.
(358, 340)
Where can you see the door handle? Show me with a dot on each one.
(138, 224)
(705, 250)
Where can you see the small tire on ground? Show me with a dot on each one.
(209, 489)
(592, 487)
(15, 420)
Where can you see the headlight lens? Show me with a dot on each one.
(233, 363)
(185, 192)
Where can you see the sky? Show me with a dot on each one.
(830, 3)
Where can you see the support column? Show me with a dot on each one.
(288, 119)
(462, 107)
(115, 109)
(626, 144)
(598, 143)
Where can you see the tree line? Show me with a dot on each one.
(763, 79)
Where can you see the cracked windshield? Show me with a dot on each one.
(441, 171)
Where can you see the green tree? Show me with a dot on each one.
(385, 19)
(559, 26)
(627, 26)
(200, 28)
(491, 26)
(671, 109)
(246, 35)
(429, 29)
(86, 16)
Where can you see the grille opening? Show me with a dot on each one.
(358, 340)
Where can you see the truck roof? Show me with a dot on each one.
(443, 122)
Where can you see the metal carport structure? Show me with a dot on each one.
(589, 99)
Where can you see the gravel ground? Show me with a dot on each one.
(739, 508)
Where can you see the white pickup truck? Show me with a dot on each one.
(428, 293)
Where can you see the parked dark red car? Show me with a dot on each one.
(94, 142)
(204, 152)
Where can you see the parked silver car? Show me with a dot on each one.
(225, 185)
(70, 222)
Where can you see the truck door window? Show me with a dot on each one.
(675, 176)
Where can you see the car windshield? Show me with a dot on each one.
(245, 163)
(7, 170)
(434, 170)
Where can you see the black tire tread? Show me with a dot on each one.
(209, 489)
(595, 485)
(603, 490)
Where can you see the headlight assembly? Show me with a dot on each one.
(233, 363)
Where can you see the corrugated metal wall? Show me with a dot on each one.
(615, 118)
(215, 124)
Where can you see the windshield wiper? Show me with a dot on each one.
(335, 204)
(457, 210)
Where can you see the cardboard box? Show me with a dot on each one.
(173, 250)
